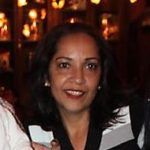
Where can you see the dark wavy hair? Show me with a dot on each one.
(102, 108)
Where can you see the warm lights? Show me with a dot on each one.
(109, 26)
(32, 29)
(4, 27)
(133, 1)
(95, 1)
(33, 14)
(58, 4)
(26, 30)
(43, 14)
(22, 3)
(73, 20)
(2, 15)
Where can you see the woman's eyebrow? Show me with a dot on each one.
(63, 57)
(86, 59)
(93, 58)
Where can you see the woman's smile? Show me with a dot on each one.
(75, 94)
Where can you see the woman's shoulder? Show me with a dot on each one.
(8, 114)
(5, 107)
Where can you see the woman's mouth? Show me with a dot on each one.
(76, 93)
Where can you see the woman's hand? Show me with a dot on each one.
(37, 146)
(54, 145)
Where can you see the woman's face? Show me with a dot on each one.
(75, 73)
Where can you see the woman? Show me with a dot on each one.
(71, 88)
(11, 135)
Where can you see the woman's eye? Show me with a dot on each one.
(91, 66)
(63, 65)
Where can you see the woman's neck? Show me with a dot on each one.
(77, 127)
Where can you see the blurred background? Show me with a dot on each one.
(125, 24)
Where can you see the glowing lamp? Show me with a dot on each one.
(95, 1)
(133, 1)
(58, 4)
(33, 14)
(22, 3)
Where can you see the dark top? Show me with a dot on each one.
(137, 108)
(93, 138)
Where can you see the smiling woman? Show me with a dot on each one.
(74, 72)
(71, 78)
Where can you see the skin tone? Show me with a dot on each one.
(74, 78)
(54, 145)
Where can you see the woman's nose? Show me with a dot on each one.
(78, 76)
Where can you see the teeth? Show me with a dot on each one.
(76, 93)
